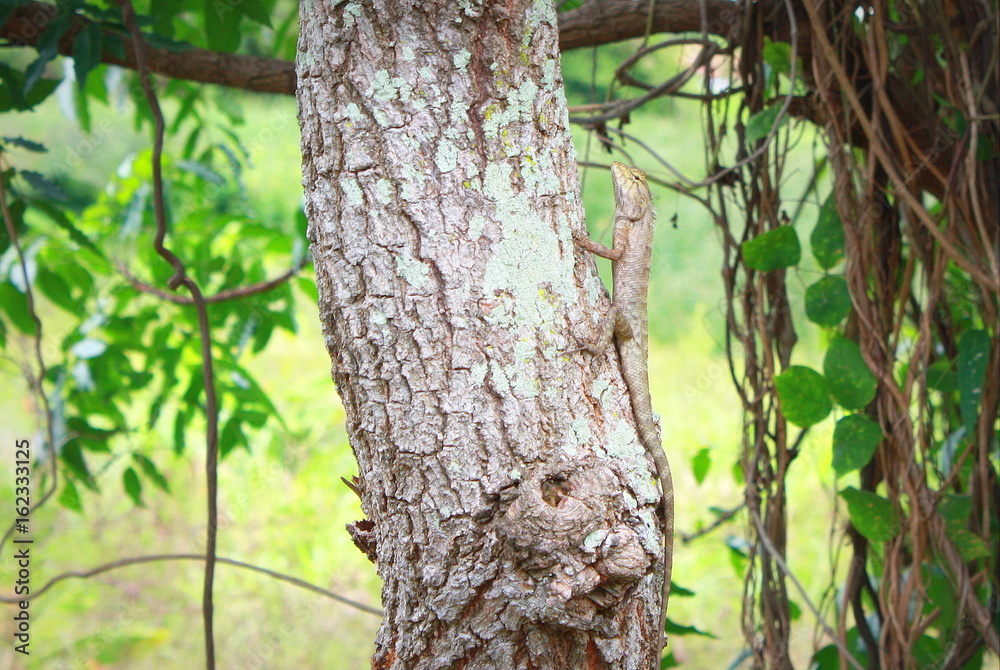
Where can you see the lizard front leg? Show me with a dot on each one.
(613, 326)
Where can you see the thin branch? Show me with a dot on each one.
(180, 278)
(37, 379)
(221, 296)
(139, 560)
(776, 556)
(605, 21)
(723, 518)
(263, 75)
(595, 23)
(622, 108)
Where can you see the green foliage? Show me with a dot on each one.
(701, 463)
(973, 354)
(761, 124)
(774, 250)
(852, 384)
(827, 239)
(804, 394)
(828, 658)
(871, 514)
(957, 510)
(125, 350)
(828, 301)
(854, 442)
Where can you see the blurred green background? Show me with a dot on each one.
(283, 505)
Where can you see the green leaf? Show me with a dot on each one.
(778, 55)
(164, 11)
(955, 510)
(133, 487)
(828, 658)
(759, 125)
(27, 144)
(16, 208)
(851, 382)
(794, 610)
(701, 463)
(45, 186)
(180, 422)
(56, 289)
(940, 376)
(678, 591)
(86, 52)
(928, 652)
(41, 90)
(778, 248)
(232, 436)
(854, 442)
(12, 95)
(72, 458)
(828, 301)
(60, 219)
(674, 628)
(222, 26)
(871, 514)
(941, 595)
(254, 10)
(70, 497)
(150, 470)
(47, 46)
(90, 438)
(973, 354)
(804, 394)
(737, 553)
(827, 239)
(15, 305)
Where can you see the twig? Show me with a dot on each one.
(180, 278)
(221, 296)
(770, 548)
(622, 108)
(139, 560)
(723, 518)
(37, 380)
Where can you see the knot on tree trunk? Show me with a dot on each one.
(576, 543)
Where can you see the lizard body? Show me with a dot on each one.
(627, 324)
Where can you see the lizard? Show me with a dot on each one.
(626, 323)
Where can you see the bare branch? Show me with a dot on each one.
(604, 21)
(595, 23)
(263, 75)
(221, 296)
(139, 560)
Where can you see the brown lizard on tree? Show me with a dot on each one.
(626, 322)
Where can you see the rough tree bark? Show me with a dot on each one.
(512, 508)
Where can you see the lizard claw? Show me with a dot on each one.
(590, 348)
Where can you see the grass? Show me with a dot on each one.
(284, 507)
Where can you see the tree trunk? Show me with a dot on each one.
(513, 507)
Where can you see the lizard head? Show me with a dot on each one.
(632, 196)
